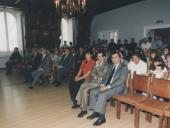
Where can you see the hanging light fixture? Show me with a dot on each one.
(70, 7)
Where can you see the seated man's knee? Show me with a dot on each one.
(93, 92)
(102, 96)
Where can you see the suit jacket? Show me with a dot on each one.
(16, 57)
(99, 72)
(67, 62)
(46, 63)
(120, 75)
(36, 60)
(79, 56)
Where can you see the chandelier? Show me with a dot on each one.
(70, 7)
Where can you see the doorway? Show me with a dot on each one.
(162, 31)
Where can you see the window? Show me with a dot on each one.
(10, 30)
(66, 30)
(108, 35)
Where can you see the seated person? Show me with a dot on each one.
(111, 85)
(159, 68)
(168, 61)
(44, 68)
(64, 66)
(55, 58)
(29, 68)
(79, 56)
(96, 76)
(136, 64)
(82, 75)
(14, 60)
(165, 53)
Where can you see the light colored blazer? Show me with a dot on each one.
(120, 75)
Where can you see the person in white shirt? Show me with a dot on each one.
(158, 42)
(137, 65)
(164, 55)
(145, 45)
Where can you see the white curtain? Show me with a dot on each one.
(10, 30)
(75, 31)
(66, 30)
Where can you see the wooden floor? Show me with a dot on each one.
(50, 107)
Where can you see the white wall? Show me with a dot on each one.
(131, 20)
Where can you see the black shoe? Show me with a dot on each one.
(94, 115)
(75, 106)
(58, 83)
(100, 121)
(31, 87)
(81, 114)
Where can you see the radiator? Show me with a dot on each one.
(3, 60)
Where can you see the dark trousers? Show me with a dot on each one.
(9, 66)
(74, 87)
(27, 74)
(60, 73)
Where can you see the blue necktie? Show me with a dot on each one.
(111, 75)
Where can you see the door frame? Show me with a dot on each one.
(157, 26)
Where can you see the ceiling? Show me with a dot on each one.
(94, 7)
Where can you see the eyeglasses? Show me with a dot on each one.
(99, 56)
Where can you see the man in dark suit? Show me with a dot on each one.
(35, 63)
(44, 68)
(111, 85)
(80, 54)
(14, 59)
(65, 66)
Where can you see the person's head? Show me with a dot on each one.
(65, 42)
(116, 58)
(16, 49)
(125, 41)
(71, 44)
(168, 57)
(119, 41)
(145, 40)
(81, 49)
(43, 51)
(153, 54)
(100, 56)
(148, 53)
(34, 51)
(149, 39)
(158, 62)
(136, 58)
(132, 40)
(61, 50)
(88, 55)
(112, 41)
(66, 51)
(166, 51)
(48, 51)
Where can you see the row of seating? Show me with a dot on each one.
(151, 87)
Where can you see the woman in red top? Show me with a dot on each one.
(83, 74)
